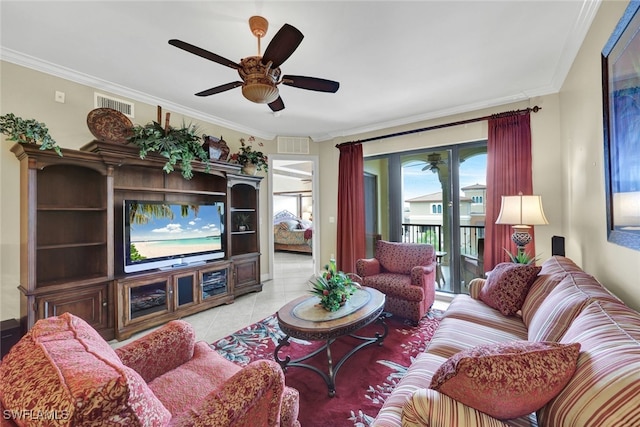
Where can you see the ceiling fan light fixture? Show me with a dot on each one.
(259, 80)
(434, 158)
(260, 93)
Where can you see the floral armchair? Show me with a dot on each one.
(64, 372)
(405, 273)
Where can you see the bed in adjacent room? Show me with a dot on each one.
(291, 233)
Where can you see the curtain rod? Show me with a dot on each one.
(444, 125)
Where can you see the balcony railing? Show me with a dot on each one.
(433, 235)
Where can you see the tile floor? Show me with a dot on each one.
(291, 280)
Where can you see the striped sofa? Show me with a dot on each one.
(565, 305)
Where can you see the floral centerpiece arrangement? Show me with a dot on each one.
(333, 287)
(248, 156)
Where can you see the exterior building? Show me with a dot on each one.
(428, 209)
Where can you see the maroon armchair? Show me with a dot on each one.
(63, 369)
(405, 273)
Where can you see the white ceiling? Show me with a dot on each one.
(397, 62)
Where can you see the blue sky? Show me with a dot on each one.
(206, 223)
(417, 182)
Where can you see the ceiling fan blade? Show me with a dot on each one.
(311, 83)
(277, 105)
(204, 53)
(218, 89)
(283, 44)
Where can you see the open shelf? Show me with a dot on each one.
(70, 263)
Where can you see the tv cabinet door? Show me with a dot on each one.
(145, 299)
(90, 304)
(247, 274)
(214, 283)
(185, 291)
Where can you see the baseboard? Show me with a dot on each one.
(445, 297)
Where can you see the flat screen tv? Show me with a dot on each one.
(171, 234)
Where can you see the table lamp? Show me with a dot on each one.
(626, 210)
(521, 212)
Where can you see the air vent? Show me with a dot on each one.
(293, 145)
(104, 101)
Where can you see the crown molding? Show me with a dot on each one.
(104, 85)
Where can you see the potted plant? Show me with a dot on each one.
(242, 221)
(176, 144)
(521, 257)
(251, 160)
(27, 131)
(333, 287)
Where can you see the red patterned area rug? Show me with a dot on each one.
(363, 382)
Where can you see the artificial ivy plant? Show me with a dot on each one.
(182, 144)
(27, 131)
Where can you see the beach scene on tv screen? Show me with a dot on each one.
(163, 230)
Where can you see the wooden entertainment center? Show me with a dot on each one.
(71, 240)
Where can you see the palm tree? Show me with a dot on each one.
(142, 213)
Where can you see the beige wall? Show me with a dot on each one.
(567, 163)
(584, 217)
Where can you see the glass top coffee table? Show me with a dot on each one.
(303, 318)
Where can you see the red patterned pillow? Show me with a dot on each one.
(507, 286)
(507, 380)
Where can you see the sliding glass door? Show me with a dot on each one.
(435, 196)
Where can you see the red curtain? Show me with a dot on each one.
(351, 237)
(508, 173)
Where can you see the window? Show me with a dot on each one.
(434, 196)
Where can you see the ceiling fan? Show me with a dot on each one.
(434, 160)
(261, 74)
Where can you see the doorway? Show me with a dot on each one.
(293, 231)
(436, 196)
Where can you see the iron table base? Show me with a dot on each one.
(329, 377)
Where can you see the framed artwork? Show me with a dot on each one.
(621, 108)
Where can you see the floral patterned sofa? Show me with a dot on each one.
(405, 273)
(62, 373)
(567, 353)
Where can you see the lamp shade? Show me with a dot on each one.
(626, 209)
(521, 210)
